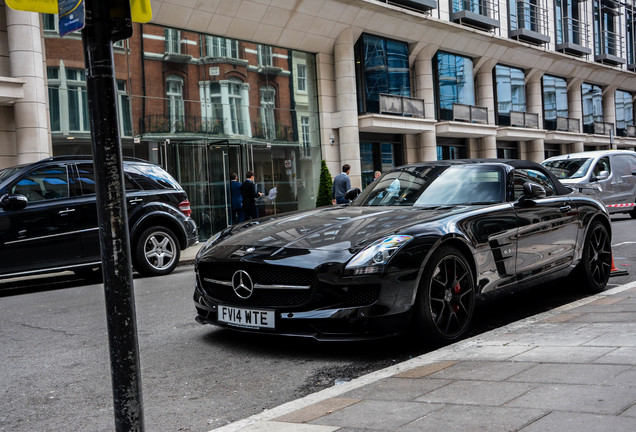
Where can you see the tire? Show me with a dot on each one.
(593, 271)
(157, 252)
(446, 298)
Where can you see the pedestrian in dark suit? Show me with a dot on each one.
(237, 199)
(249, 194)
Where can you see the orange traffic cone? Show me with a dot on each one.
(616, 272)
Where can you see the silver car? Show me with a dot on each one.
(609, 175)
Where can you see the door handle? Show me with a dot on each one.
(565, 209)
(65, 212)
(135, 201)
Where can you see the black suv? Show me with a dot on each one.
(48, 218)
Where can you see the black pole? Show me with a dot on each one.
(97, 37)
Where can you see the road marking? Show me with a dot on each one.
(623, 243)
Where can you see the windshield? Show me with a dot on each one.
(569, 168)
(7, 172)
(436, 185)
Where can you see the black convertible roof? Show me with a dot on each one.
(514, 163)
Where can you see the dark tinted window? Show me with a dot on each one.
(603, 164)
(533, 176)
(85, 181)
(43, 184)
(151, 177)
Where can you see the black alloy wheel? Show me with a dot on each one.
(595, 266)
(446, 297)
(157, 252)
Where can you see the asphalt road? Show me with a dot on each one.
(55, 371)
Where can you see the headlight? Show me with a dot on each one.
(374, 257)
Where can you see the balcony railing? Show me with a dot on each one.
(530, 23)
(566, 124)
(401, 105)
(470, 113)
(611, 48)
(273, 133)
(603, 128)
(572, 37)
(477, 13)
(524, 119)
(159, 123)
(419, 5)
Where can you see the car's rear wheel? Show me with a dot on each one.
(446, 298)
(594, 269)
(156, 251)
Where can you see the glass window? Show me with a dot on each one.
(603, 164)
(455, 83)
(525, 14)
(236, 107)
(382, 67)
(174, 94)
(173, 41)
(630, 35)
(77, 100)
(301, 77)
(305, 136)
(592, 98)
(268, 95)
(624, 111)
(49, 22)
(53, 81)
(605, 36)
(555, 100)
(511, 92)
(221, 47)
(45, 183)
(569, 27)
(123, 100)
(522, 176)
(265, 55)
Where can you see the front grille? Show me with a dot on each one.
(320, 294)
(264, 274)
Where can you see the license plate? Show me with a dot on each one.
(246, 318)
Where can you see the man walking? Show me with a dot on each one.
(237, 199)
(249, 194)
(341, 184)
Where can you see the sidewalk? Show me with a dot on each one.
(569, 369)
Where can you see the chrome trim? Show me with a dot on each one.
(260, 286)
(50, 270)
(49, 236)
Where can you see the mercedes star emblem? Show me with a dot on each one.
(242, 284)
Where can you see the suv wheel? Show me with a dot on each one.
(156, 252)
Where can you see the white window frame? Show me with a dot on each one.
(174, 95)
(301, 77)
(173, 41)
(268, 105)
(265, 56)
(219, 47)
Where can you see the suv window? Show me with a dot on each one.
(625, 165)
(44, 183)
(603, 164)
(85, 181)
(533, 176)
(151, 177)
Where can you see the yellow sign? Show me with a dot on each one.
(42, 6)
(140, 10)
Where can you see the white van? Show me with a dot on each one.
(609, 175)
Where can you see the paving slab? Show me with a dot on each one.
(576, 422)
(488, 393)
(562, 373)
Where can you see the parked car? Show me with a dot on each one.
(412, 251)
(609, 175)
(48, 218)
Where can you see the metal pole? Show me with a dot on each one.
(112, 217)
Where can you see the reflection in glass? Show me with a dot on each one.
(455, 82)
(511, 92)
(624, 112)
(592, 97)
(555, 100)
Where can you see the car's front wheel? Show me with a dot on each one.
(594, 269)
(157, 251)
(446, 298)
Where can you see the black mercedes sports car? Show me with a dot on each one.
(410, 252)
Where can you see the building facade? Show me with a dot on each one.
(221, 86)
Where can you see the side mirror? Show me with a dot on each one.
(532, 191)
(603, 175)
(352, 194)
(13, 202)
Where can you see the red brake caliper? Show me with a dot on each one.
(456, 289)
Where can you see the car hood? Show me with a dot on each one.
(330, 228)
